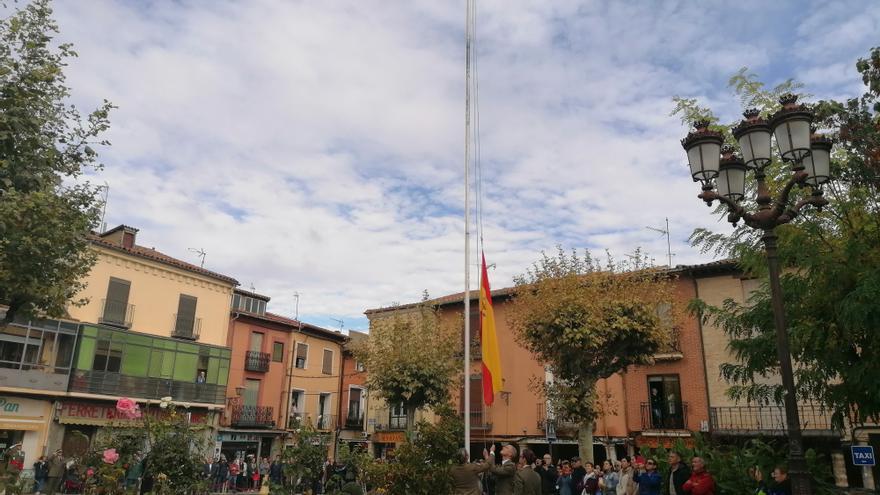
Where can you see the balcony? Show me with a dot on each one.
(116, 313)
(117, 384)
(354, 421)
(479, 419)
(186, 328)
(320, 422)
(257, 361)
(253, 417)
(661, 419)
(768, 420)
(23, 366)
(557, 425)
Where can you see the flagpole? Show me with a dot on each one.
(467, 234)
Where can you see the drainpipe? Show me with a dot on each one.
(339, 400)
(703, 351)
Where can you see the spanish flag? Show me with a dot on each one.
(489, 340)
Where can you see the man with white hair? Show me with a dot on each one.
(465, 476)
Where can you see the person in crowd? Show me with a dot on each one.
(41, 474)
(610, 479)
(527, 481)
(11, 466)
(234, 474)
(466, 476)
(506, 471)
(221, 476)
(135, 472)
(700, 481)
(578, 471)
(276, 471)
(548, 473)
(265, 465)
(209, 468)
(589, 485)
(56, 472)
(649, 480)
(781, 484)
(626, 485)
(678, 474)
(565, 484)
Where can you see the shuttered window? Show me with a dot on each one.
(116, 304)
(186, 314)
(327, 367)
(302, 355)
(277, 352)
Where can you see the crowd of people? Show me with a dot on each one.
(242, 474)
(525, 474)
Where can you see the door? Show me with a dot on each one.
(256, 342)
(323, 412)
(251, 394)
(667, 409)
(354, 417)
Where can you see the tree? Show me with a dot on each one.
(587, 321)
(46, 209)
(304, 459)
(833, 258)
(410, 360)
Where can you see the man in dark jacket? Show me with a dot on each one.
(506, 471)
(56, 472)
(276, 473)
(527, 481)
(549, 474)
(678, 474)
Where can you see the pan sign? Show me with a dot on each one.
(863, 455)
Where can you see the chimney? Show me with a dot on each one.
(121, 235)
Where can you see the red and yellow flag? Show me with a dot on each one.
(489, 340)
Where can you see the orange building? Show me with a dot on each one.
(519, 414)
(352, 405)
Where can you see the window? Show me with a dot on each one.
(256, 342)
(116, 304)
(278, 352)
(302, 354)
(359, 366)
(397, 419)
(297, 398)
(186, 315)
(327, 367)
(108, 356)
(476, 393)
(354, 404)
(236, 301)
(325, 419)
(251, 394)
(664, 400)
(249, 304)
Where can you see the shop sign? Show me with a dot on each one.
(14, 406)
(388, 437)
(82, 413)
(238, 437)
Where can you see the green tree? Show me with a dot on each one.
(832, 283)
(587, 321)
(410, 360)
(46, 209)
(303, 459)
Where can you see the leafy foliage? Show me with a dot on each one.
(304, 458)
(410, 359)
(731, 465)
(833, 280)
(45, 147)
(421, 465)
(589, 320)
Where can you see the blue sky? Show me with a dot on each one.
(315, 147)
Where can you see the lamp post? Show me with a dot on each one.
(723, 174)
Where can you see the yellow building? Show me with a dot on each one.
(143, 290)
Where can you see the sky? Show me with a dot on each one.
(316, 147)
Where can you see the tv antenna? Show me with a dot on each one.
(106, 188)
(668, 241)
(296, 306)
(200, 253)
(341, 323)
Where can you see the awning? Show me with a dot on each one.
(22, 425)
(253, 432)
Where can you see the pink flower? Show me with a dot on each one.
(90, 472)
(128, 408)
(111, 456)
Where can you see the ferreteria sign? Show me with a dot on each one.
(77, 413)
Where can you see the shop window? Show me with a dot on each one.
(278, 352)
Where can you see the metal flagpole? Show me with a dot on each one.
(467, 232)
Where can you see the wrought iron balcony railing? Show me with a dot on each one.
(257, 361)
(253, 416)
(557, 424)
(664, 417)
(768, 420)
(116, 313)
(354, 421)
(479, 419)
(320, 422)
(186, 328)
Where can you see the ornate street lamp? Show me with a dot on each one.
(723, 176)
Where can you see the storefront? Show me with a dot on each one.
(385, 442)
(24, 421)
(240, 444)
(84, 423)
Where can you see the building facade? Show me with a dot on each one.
(254, 422)
(352, 417)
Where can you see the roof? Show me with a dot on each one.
(252, 294)
(153, 255)
(313, 329)
(719, 266)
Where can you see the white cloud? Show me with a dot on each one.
(316, 147)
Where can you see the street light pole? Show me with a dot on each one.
(717, 166)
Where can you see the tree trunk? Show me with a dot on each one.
(585, 442)
(410, 421)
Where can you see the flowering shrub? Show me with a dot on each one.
(110, 456)
(128, 408)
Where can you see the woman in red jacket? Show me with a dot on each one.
(700, 482)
